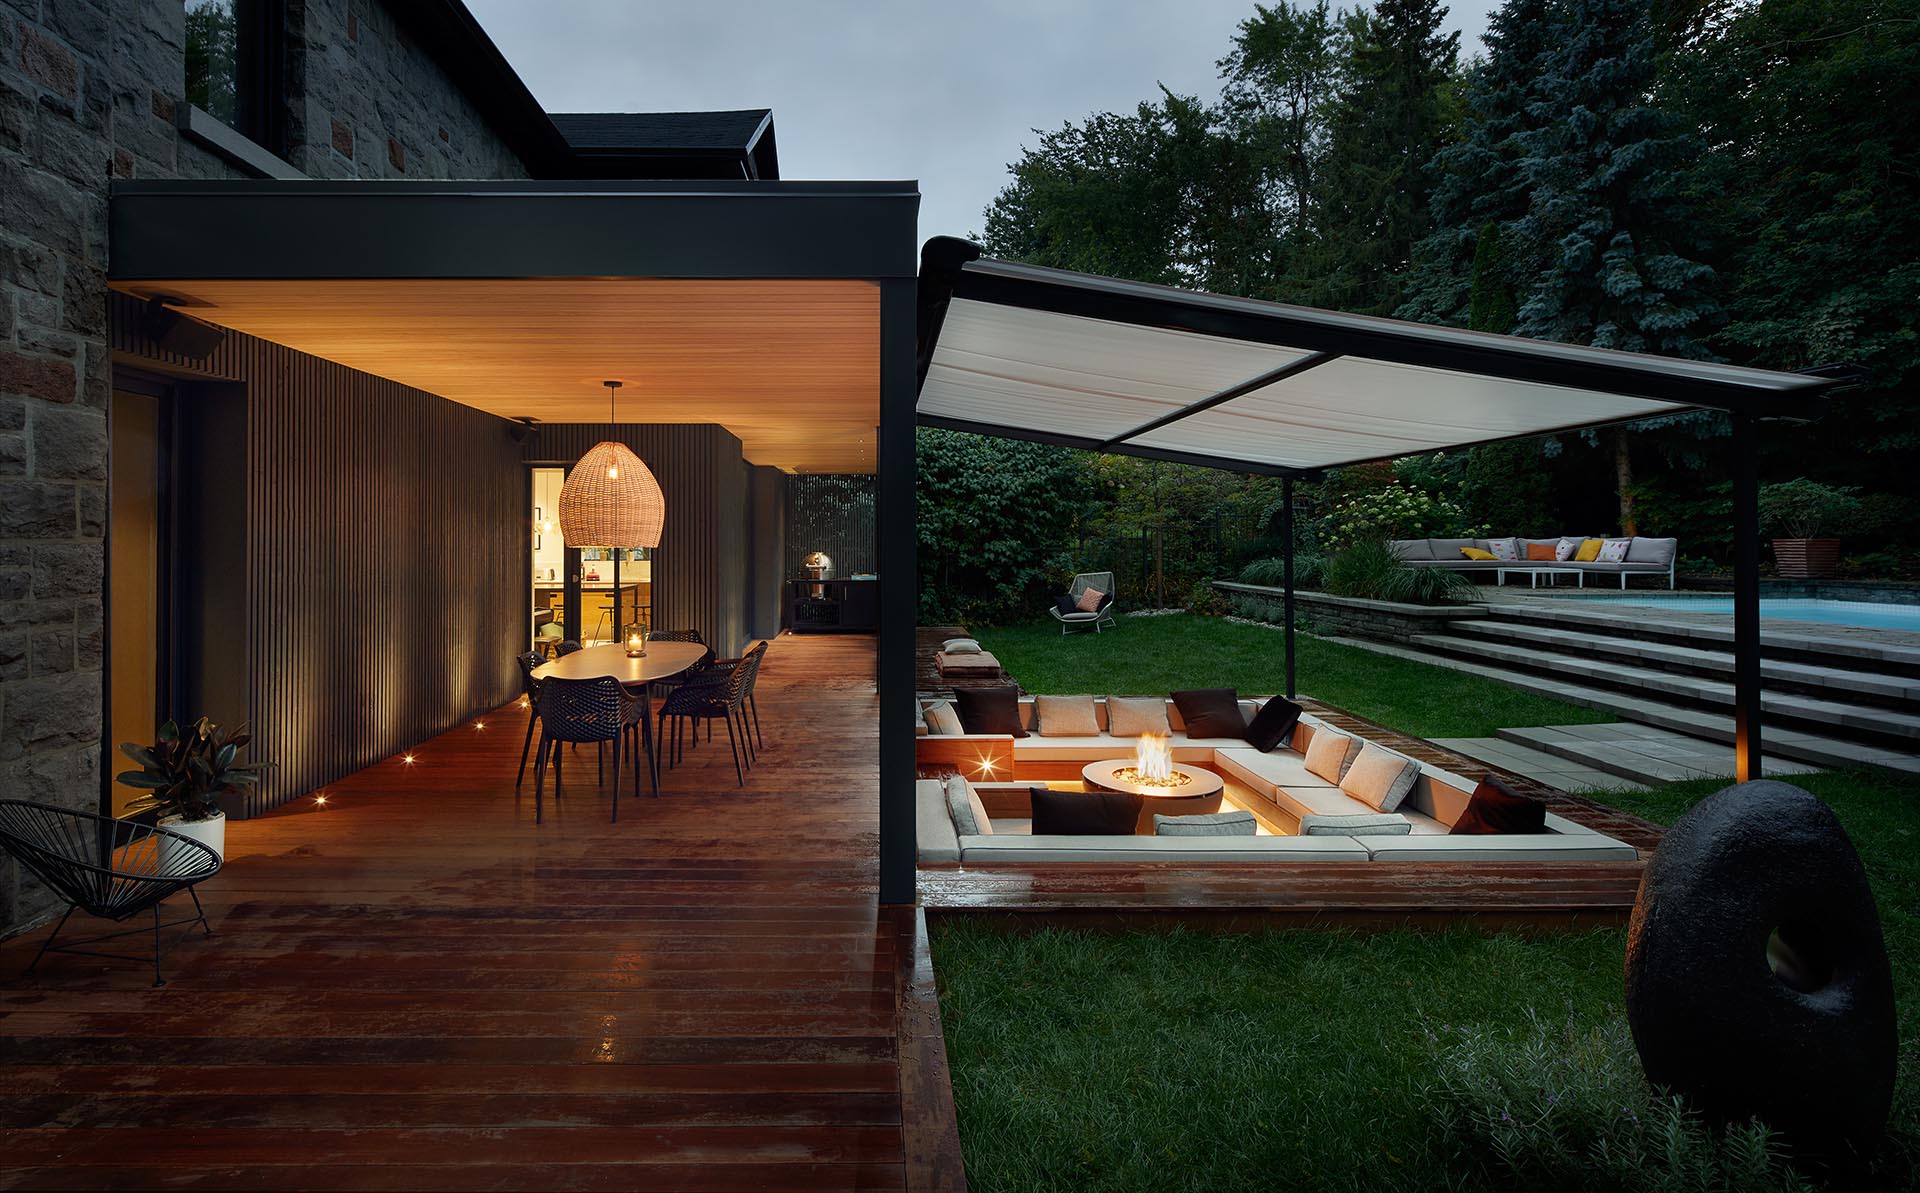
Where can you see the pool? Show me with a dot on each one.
(1871, 614)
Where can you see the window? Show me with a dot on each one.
(235, 51)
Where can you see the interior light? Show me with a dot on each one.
(613, 472)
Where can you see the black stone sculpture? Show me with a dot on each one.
(1757, 980)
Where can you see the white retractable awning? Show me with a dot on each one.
(1026, 352)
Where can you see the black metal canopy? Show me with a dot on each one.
(1109, 365)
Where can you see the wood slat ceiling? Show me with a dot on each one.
(791, 367)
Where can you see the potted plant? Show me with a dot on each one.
(1798, 513)
(184, 776)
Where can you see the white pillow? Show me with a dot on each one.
(969, 814)
(1131, 716)
(961, 646)
(943, 720)
(1327, 753)
(1504, 549)
(1564, 549)
(1066, 716)
(1614, 550)
(1380, 778)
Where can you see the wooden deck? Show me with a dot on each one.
(415, 987)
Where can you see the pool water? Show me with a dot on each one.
(1870, 614)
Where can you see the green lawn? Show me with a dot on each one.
(1147, 655)
(1322, 1059)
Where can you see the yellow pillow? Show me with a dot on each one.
(1476, 553)
(1588, 552)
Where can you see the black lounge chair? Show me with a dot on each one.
(113, 869)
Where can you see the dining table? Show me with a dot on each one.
(663, 660)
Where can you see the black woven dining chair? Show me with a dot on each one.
(582, 710)
(530, 688)
(719, 694)
(112, 869)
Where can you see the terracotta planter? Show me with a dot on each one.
(1802, 559)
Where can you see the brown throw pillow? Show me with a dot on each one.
(1083, 813)
(1212, 712)
(1272, 726)
(1089, 601)
(1497, 809)
(1540, 553)
(990, 710)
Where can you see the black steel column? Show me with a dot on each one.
(1746, 599)
(1286, 556)
(895, 530)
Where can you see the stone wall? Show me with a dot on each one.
(367, 102)
(91, 91)
(1343, 617)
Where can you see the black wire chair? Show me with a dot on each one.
(565, 648)
(113, 869)
(718, 694)
(595, 710)
(530, 687)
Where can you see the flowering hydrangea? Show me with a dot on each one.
(1396, 512)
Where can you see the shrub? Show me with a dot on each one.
(1804, 509)
(1395, 512)
(1308, 571)
(1371, 571)
(1564, 1106)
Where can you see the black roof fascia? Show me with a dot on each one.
(1541, 362)
(283, 230)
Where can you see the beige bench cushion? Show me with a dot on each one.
(1092, 749)
(1563, 847)
(1264, 772)
(1324, 801)
(1029, 849)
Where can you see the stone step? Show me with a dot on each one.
(1786, 741)
(1642, 753)
(1863, 652)
(1840, 718)
(1867, 686)
(1554, 770)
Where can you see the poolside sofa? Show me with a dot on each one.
(1645, 557)
(1280, 778)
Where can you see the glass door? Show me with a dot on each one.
(590, 595)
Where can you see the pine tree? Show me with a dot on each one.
(1605, 169)
(1477, 180)
(1396, 108)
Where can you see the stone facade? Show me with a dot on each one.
(92, 91)
(1347, 617)
(367, 102)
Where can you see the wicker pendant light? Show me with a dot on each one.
(610, 499)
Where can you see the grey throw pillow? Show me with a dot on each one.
(1315, 824)
(1213, 824)
(1065, 716)
(969, 814)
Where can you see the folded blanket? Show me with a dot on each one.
(966, 664)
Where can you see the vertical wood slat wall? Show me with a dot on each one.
(385, 561)
(700, 568)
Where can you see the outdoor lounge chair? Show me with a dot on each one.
(113, 869)
(1103, 617)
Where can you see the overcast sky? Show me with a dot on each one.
(943, 92)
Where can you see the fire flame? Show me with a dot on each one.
(1153, 759)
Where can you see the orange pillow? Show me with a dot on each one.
(1540, 553)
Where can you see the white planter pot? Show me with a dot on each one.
(211, 833)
